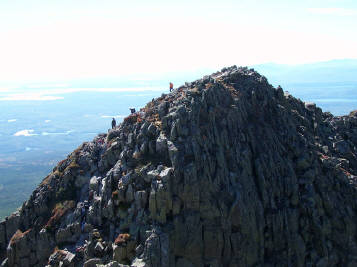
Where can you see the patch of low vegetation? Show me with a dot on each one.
(59, 211)
(122, 238)
(47, 179)
(68, 193)
(133, 118)
(18, 235)
(73, 166)
(353, 113)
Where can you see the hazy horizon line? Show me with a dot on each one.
(132, 82)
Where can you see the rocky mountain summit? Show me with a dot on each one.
(223, 171)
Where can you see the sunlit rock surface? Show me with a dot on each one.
(223, 171)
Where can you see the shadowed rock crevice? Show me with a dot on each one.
(224, 171)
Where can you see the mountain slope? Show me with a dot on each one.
(224, 171)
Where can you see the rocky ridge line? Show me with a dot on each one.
(224, 171)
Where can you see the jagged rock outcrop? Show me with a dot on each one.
(224, 171)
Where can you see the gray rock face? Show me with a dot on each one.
(224, 171)
(62, 258)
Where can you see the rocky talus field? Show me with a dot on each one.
(224, 171)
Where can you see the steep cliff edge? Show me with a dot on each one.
(224, 171)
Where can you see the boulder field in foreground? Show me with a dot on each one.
(224, 171)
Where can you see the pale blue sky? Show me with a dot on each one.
(62, 40)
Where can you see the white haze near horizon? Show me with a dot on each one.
(48, 41)
(50, 93)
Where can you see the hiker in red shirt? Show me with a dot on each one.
(171, 86)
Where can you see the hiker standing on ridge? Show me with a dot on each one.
(114, 123)
(171, 86)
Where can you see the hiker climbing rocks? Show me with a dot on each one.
(114, 123)
(132, 110)
(171, 86)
